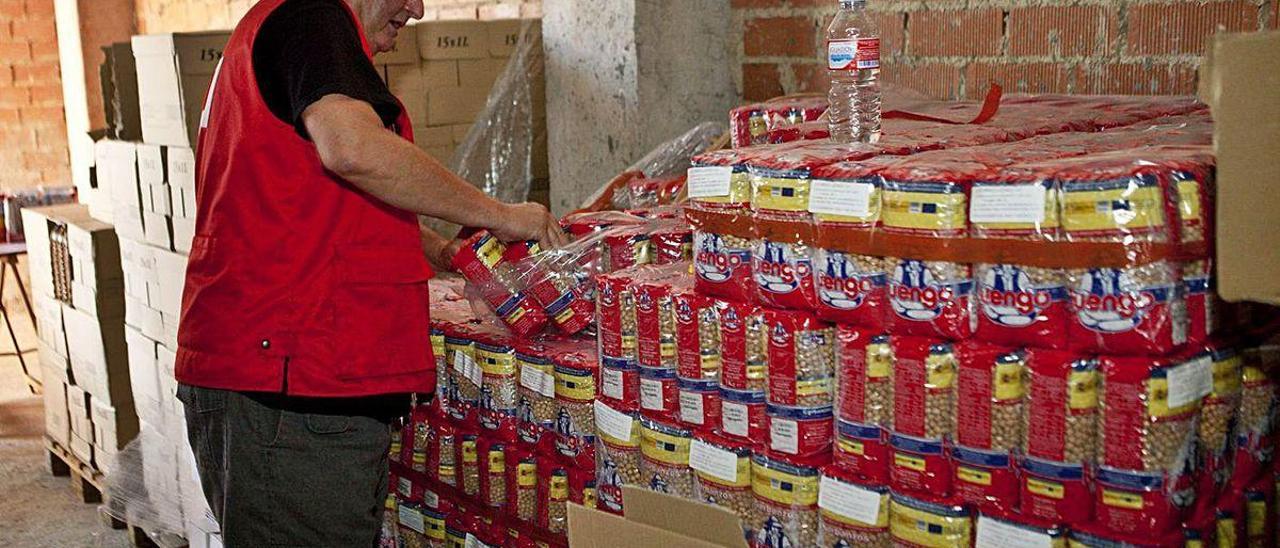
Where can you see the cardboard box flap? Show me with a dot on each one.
(196, 52)
(1239, 83)
(709, 523)
(595, 529)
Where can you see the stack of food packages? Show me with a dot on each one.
(882, 344)
(508, 440)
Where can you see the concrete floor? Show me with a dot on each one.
(37, 509)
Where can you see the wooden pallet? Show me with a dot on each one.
(86, 481)
(89, 485)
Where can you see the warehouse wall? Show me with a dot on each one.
(189, 15)
(954, 48)
(33, 138)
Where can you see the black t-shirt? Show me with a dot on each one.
(307, 49)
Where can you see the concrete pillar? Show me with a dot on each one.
(626, 75)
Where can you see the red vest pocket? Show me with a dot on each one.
(380, 295)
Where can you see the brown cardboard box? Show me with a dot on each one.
(434, 136)
(453, 40)
(408, 84)
(655, 519)
(447, 106)
(1239, 81)
(480, 74)
(174, 71)
(440, 74)
(405, 52)
(504, 36)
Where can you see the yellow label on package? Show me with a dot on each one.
(497, 461)
(755, 371)
(940, 371)
(664, 447)
(910, 462)
(575, 385)
(527, 475)
(434, 526)
(437, 345)
(852, 447)
(496, 364)
(1189, 200)
(490, 252)
(710, 362)
(1115, 206)
(973, 476)
(445, 472)
(1226, 528)
(559, 490)
(742, 473)
(1158, 400)
(628, 343)
(813, 387)
(589, 497)
(739, 190)
(469, 455)
(1082, 389)
(780, 193)
(924, 206)
(873, 211)
(782, 486)
(667, 349)
(1255, 518)
(1051, 489)
(1226, 376)
(879, 360)
(1008, 381)
(1122, 499)
(922, 528)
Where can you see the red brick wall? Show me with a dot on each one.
(33, 134)
(954, 49)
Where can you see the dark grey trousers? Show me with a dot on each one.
(283, 471)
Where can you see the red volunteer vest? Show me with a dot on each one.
(298, 282)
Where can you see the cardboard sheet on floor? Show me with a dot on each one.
(655, 519)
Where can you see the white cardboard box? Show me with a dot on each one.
(99, 359)
(144, 375)
(57, 420)
(182, 167)
(49, 323)
(174, 72)
(36, 226)
(151, 164)
(172, 271)
(157, 231)
(113, 427)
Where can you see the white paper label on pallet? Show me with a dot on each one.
(713, 461)
(1007, 204)
(651, 394)
(613, 423)
(784, 435)
(691, 407)
(845, 198)
(611, 383)
(997, 534)
(1190, 381)
(404, 487)
(709, 181)
(411, 518)
(538, 381)
(734, 419)
(849, 501)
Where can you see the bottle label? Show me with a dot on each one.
(868, 55)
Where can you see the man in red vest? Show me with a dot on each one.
(304, 321)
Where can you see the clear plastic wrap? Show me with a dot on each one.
(697, 336)
(786, 497)
(667, 160)
(990, 397)
(849, 517)
(800, 360)
(719, 210)
(751, 124)
(664, 462)
(851, 288)
(137, 491)
(617, 455)
(497, 153)
(722, 470)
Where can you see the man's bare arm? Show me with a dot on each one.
(355, 146)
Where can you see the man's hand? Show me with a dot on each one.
(529, 221)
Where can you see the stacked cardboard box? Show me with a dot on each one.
(443, 71)
(76, 286)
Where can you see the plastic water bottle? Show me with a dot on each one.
(853, 62)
